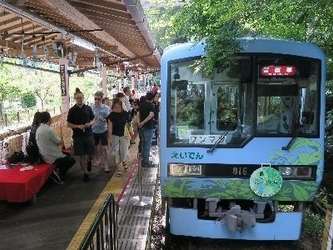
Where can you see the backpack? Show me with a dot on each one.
(33, 154)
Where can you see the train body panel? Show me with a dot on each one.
(185, 222)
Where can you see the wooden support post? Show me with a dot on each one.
(104, 80)
(64, 84)
(6, 119)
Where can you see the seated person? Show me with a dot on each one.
(49, 145)
(32, 148)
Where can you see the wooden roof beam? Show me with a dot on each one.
(76, 17)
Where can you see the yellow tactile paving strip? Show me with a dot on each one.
(114, 186)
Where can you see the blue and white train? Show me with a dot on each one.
(242, 148)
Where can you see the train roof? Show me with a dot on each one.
(250, 45)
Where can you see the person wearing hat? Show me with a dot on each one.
(100, 130)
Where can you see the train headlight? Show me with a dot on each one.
(286, 171)
(303, 172)
(185, 170)
(298, 172)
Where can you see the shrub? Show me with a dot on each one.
(29, 100)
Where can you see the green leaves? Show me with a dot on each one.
(235, 189)
(220, 22)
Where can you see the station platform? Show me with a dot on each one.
(63, 214)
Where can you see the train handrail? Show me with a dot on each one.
(102, 234)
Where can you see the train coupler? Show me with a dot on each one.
(236, 219)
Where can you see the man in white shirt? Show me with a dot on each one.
(49, 145)
(114, 91)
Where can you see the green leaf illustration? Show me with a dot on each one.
(308, 158)
(300, 193)
(304, 142)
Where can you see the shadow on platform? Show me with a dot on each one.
(53, 221)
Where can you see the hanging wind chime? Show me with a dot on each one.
(4, 52)
(34, 48)
(46, 50)
(23, 55)
(97, 61)
(72, 56)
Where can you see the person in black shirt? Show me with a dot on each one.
(146, 124)
(141, 100)
(32, 148)
(80, 118)
(156, 103)
(117, 139)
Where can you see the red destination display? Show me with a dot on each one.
(278, 70)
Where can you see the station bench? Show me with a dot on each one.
(22, 186)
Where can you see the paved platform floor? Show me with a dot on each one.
(135, 211)
(59, 212)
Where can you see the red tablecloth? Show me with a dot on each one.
(20, 186)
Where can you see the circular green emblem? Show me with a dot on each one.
(266, 182)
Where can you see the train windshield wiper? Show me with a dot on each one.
(221, 138)
(293, 139)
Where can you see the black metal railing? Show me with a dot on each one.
(103, 232)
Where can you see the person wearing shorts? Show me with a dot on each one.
(80, 119)
(100, 131)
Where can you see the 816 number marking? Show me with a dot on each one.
(239, 171)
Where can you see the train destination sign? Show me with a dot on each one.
(278, 70)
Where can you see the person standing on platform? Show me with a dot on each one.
(114, 91)
(122, 97)
(135, 107)
(127, 102)
(156, 103)
(154, 89)
(49, 145)
(80, 119)
(100, 131)
(146, 125)
(117, 120)
(141, 100)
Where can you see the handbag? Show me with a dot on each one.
(129, 132)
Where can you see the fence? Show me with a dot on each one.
(24, 116)
(103, 232)
(15, 140)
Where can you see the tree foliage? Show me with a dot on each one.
(221, 22)
(161, 24)
(29, 100)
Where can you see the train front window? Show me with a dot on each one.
(287, 91)
(187, 102)
(204, 110)
(224, 107)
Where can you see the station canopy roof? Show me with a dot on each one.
(93, 32)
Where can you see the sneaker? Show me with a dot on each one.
(89, 164)
(85, 178)
(55, 177)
